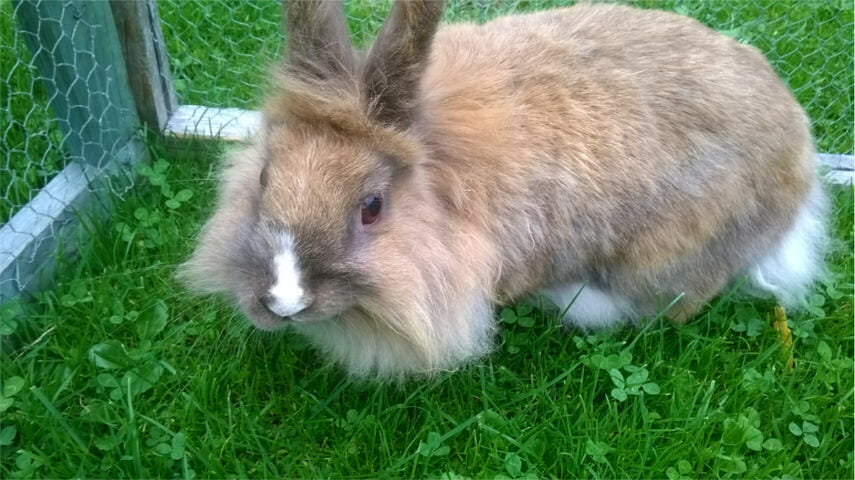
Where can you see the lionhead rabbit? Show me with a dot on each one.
(392, 198)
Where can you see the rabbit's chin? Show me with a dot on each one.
(269, 325)
(397, 342)
(263, 319)
(270, 322)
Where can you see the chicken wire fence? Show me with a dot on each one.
(220, 51)
(67, 118)
(47, 123)
(63, 104)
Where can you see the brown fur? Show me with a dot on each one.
(633, 150)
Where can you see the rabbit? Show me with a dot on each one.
(616, 160)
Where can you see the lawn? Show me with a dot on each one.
(118, 372)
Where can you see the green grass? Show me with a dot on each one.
(117, 372)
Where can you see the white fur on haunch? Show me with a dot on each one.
(796, 261)
(591, 308)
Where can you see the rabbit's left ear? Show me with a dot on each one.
(398, 58)
(318, 42)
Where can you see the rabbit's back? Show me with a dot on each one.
(602, 141)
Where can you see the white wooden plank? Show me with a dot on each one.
(231, 124)
(839, 177)
(836, 161)
(38, 224)
(234, 124)
(29, 240)
(39, 213)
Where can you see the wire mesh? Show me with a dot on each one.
(30, 152)
(47, 124)
(64, 114)
(219, 50)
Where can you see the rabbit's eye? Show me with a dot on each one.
(262, 179)
(371, 206)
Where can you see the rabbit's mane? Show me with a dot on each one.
(336, 102)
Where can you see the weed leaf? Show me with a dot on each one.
(177, 452)
(152, 320)
(109, 354)
(773, 445)
(7, 435)
(12, 386)
(513, 464)
(598, 450)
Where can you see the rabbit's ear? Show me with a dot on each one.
(318, 42)
(398, 58)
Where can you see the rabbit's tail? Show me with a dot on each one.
(789, 270)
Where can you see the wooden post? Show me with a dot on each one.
(138, 27)
(79, 58)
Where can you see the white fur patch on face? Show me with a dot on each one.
(286, 295)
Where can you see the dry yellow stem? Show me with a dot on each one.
(780, 324)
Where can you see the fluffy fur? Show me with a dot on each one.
(789, 270)
(635, 153)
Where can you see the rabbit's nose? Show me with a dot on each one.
(286, 296)
(280, 307)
